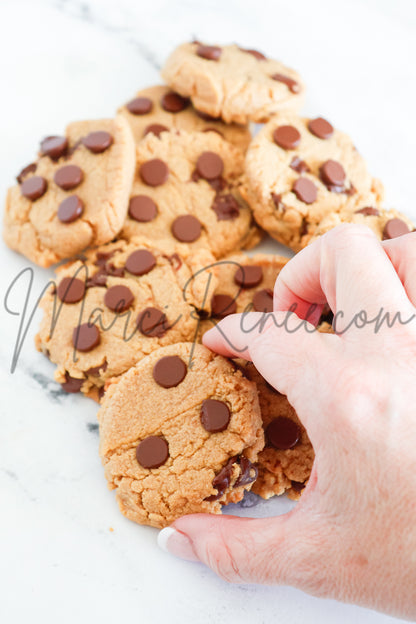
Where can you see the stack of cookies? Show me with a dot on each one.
(152, 212)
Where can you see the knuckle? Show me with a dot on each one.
(348, 232)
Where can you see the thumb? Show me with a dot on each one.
(282, 550)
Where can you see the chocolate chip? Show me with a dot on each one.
(68, 177)
(98, 142)
(139, 106)
(248, 276)
(222, 480)
(99, 279)
(71, 290)
(155, 129)
(226, 207)
(26, 171)
(283, 433)
(94, 371)
(152, 323)
(291, 84)
(305, 190)
(118, 298)
(102, 257)
(215, 415)
(321, 128)
(297, 486)
(85, 337)
(140, 262)
(34, 187)
(70, 209)
(299, 165)
(263, 300)
(211, 53)
(394, 228)
(173, 102)
(152, 452)
(169, 371)
(332, 173)
(186, 228)
(110, 269)
(287, 137)
(154, 172)
(258, 55)
(248, 472)
(277, 200)
(142, 208)
(222, 306)
(368, 211)
(72, 384)
(54, 147)
(209, 165)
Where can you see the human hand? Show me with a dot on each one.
(352, 536)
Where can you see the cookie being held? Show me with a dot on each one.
(285, 464)
(386, 224)
(159, 109)
(187, 188)
(234, 83)
(119, 304)
(179, 434)
(244, 284)
(76, 195)
(299, 171)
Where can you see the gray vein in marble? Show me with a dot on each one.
(92, 427)
(12, 476)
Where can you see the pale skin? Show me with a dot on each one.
(352, 536)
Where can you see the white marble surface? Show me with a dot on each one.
(71, 59)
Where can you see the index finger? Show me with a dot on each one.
(348, 268)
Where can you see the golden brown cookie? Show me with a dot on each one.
(75, 195)
(285, 464)
(386, 224)
(187, 187)
(244, 284)
(299, 172)
(158, 109)
(234, 83)
(179, 433)
(121, 303)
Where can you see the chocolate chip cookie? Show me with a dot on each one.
(158, 109)
(122, 302)
(285, 464)
(75, 195)
(386, 224)
(187, 187)
(299, 171)
(179, 434)
(245, 284)
(231, 82)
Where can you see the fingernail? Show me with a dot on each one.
(176, 543)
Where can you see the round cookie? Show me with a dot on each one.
(121, 303)
(285, 463)
(386, 224)
(299, 171)
(179, 433)
(237, 84)
(245, 284)
(187, 187)
(157, 109)
(75, 195)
